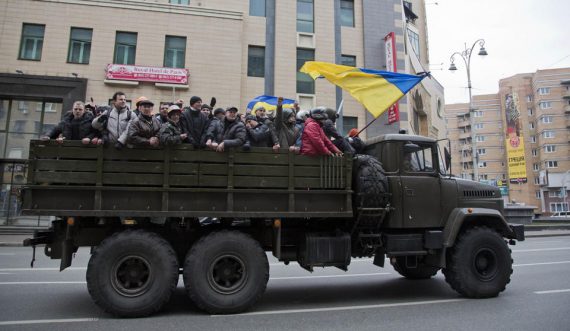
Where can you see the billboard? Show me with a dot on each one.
(390, 48)
(514, 141)
(147, 74)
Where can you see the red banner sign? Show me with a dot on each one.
(390, 48)
(147, 74)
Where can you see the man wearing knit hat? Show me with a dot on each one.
(195, 123)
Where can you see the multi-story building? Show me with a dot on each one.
(522, 138)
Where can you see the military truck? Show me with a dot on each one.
(150, 215)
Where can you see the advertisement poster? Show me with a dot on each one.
(147, 74)
(390, 47)
(514, 140)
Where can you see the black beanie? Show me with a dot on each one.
(195, 99)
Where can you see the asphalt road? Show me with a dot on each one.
(364, 298)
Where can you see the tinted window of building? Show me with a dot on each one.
(257, 8)
(305, 84)
(347, 13)
(348, 60)
(125, 47)
(348, 123)
(305, 16)
(79, 45)
(174, 52)
(180, 2)
(32, 42)
(256, 61)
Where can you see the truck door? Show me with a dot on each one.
(421, 187)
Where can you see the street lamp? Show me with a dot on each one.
(466, 56)
(565, 190)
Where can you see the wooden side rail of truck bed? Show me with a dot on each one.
(72, 179)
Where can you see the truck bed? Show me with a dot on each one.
(72, 179)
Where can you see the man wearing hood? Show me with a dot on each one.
(287, 132)
(315, 142)
(76, 125)
(195, 123)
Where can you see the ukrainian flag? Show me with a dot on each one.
(376, 90)
(268, 102)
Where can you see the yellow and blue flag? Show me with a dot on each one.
(376, 90)
(268, 102)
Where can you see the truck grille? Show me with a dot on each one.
(479, 193)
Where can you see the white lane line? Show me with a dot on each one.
(540, 263)
(552, 291)
(7, 254)
(42, 283)
(330, 276)
(540, 249)
(69, 320)
(5, 273)
(313, 310)
(42, 269)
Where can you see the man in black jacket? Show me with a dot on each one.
(76, 125)
(234, 131)
(195, 123)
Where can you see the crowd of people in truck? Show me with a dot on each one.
(306, 132)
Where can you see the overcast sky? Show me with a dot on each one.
(521, 36)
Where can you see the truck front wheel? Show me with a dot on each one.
(132, 273)
(226, 272)
(480, 264)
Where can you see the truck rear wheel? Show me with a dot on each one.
(480, 265)
(421, 271)
(226, 272)
(132, 273)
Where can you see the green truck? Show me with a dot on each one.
(150, 215)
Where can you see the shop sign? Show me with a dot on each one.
(147, 74)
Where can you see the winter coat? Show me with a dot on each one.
(169, 134)
(161, 119)
(194, 123)
(287, 133)
(233, 134)
(300, 126)
(215, 130)
(142, 129)
(116, 127)
(339, 141)
(260, 136)
(74, 129)
(314, 141)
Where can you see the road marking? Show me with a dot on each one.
(314, 310)
(540, 263)
(7, 254)
(38, 283)
(41, 269)
(70, 320)
(5, 273)
(552, 291)
(541, 249)
(330, 276)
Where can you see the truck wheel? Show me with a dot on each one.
(370, 185)
(420, 272)
(480, 265)
(132, 273)
(226, 272)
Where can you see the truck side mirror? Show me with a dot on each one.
(447, 158)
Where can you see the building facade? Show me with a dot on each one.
(522, 138)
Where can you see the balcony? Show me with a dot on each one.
(463, 123)
(567, 109)
(464, 135)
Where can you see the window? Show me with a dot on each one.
(546, 119)
(537, 194)
(348, 60)
(256, 61)
(479, 139)
(175, 52)
(305, 84)
(347, 13)
(481, 151)
(305, 16)
(529, 98)
(531, 125)
(551, 164)
(79, 45)
(529, 111)
(534, 152)
(478, 126)
(544, 91)
(418, 161)
(558, 206)
(483, 177)
(535, 167)
(536, 181)
(180, 2)
(125, 47)
(483, 164)
(533, 139)
(414, 41)
(549, 148)
(477, 113)
(545, 104)
(555, 194)
(548, 134)
(348, 123)
(257, 8)
(32, 42)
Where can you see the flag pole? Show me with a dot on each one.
(367, 125)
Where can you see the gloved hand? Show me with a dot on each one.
(103, 118)
(119, 145)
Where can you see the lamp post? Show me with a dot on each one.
(565, 189)
(466, 56)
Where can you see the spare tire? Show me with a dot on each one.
(371, 189)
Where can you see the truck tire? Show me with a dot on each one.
(422, 271)
(226, 272)
(370, 186)
(132, 273)
(480, 265)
